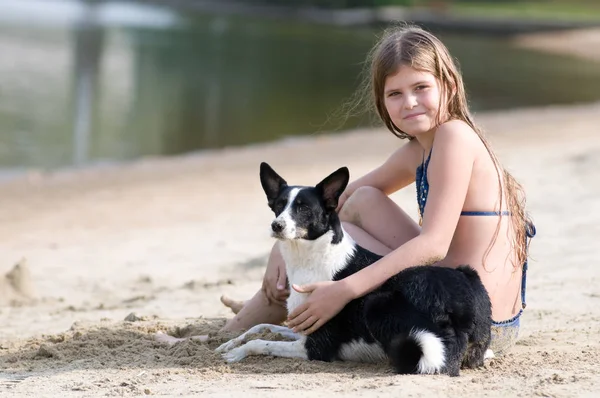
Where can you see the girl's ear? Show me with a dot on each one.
(454, 87)
(451, 90)
(448, 94)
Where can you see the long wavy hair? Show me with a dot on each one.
(408, 45)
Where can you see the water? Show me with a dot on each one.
(125, 81)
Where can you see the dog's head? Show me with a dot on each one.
(303, 212)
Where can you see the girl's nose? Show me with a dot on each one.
(410, 101)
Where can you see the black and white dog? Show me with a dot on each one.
(426, 319)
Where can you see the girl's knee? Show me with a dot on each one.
(360, 199)
(367, 193)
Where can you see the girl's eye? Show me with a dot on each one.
(394, 94)
(421, 87)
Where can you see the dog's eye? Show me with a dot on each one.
(279, 205)
(303, 207)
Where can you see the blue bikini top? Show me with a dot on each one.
(423, 189)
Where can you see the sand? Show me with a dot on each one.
(158, 240)
(16, 286)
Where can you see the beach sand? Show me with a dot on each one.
(163, 238)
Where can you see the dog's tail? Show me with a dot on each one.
(420, 351)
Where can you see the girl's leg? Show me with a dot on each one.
(373, 220)
(255, 311)
(258, 309)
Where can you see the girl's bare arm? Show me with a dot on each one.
(395, 173)
(449, 174)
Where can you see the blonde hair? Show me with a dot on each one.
(408, 45)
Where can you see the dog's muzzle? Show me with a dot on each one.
(283, 229)
(277, 226)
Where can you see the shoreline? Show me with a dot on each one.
(34, 175)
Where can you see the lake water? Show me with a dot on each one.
(84, 86)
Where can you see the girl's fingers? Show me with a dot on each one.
(306, 324)
(269, 296)
(282, 301)
(282, 296)
(281, 280)
(314, 327)
(304, 288)
(299, 310)
(299, 319)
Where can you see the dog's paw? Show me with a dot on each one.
(227, 346)
(235, 355)
(489, 354)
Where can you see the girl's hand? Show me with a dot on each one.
(274, 284)
(326, 299)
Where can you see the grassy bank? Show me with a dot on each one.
(588, 11)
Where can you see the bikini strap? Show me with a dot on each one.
(485, 213)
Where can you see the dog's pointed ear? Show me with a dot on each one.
(271, 182)
(332, 187)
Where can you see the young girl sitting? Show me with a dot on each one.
(471, 209)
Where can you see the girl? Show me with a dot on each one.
(471, 209)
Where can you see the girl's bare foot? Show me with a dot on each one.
(234, 305)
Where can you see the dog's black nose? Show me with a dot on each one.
(277, 226)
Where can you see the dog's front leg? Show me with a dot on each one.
(282, 330)
(284, 349)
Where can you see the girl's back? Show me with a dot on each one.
(479, 241)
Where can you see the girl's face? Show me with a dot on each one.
(412, 99)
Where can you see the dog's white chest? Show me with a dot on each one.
(311, 261)
(295, 299)
(303, 276)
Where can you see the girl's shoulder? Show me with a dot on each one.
(456, 133)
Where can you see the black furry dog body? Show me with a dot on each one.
(425, 319)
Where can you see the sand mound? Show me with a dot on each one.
(127, 345)
(114, 345)
(123, 358)
(16, 287)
